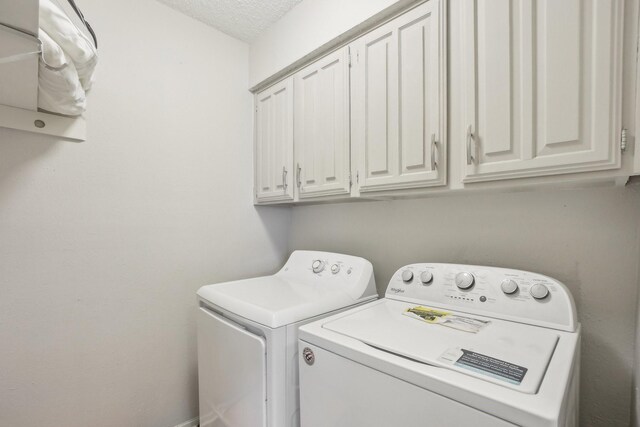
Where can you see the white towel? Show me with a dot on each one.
(73, 42)
(59, 89)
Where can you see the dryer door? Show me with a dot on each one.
(231, 374)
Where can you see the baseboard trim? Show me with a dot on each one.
(193, 422)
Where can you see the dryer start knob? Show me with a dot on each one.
(317, 266)
(465, 280)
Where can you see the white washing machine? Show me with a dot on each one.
(449, 345)
(248, 335)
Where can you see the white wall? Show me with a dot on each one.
(306, 27)
(587, 238)
(103, 244)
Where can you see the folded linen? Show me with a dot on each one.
(78, 48)
(59, 88)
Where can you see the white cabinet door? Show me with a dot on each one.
(542, 87)
(321, 135)
(398, 102)
(274, 143)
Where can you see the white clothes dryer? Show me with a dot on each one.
(449, 345)
(248, 334)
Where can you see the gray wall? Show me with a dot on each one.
(103, 244)
(587, 238)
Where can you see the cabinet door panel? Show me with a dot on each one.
(322, 126)
(381, 123)
(397, 102)
(542, 89)
(274, 143)
(495, 88)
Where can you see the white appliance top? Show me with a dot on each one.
(505, 353)
(495, 324)
(309, 284)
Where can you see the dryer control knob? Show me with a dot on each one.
(407, 276)
(426, 277)
(317, 266)
(509, 286)
(539, 291)
(465, 280)
(335, 268)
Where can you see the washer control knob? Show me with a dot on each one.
(539, 291)
(407, 276)
(317, 266)
(509, 286)
(465, 280)
(335, 268)
(426, 277)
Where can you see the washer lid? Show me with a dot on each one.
(274, 301)
(510, 354)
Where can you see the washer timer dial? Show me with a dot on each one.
(464, 280)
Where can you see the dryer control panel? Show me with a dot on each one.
(353, 275)
(500, 293)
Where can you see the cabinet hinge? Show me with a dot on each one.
(350, 181)
(350, 57)
(623, 140)
(357, 177)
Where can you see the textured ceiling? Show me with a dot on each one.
(242, 19)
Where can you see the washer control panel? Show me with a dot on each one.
(488, 291)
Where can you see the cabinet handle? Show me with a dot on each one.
(298, 171)
(470, 157)
(284, 178)
(434, 145)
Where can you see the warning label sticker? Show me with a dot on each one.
(484, 365)
(445, 318)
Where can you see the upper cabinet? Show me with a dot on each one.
(321, 127)
(274, 143)
(398, 93)
(542, 87)
(535, 90)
